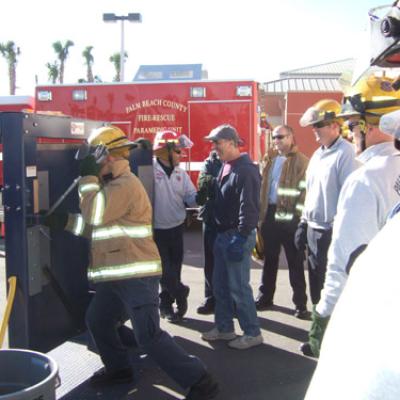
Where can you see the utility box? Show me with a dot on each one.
(52, 288)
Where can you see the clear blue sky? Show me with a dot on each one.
(252, 39)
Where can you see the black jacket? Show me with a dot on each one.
(212, 166)
(237, 197)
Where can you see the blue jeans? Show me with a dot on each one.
(232, 288)
(138, 299)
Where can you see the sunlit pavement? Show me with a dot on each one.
(275, 370)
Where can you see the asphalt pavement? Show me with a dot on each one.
(275, 370)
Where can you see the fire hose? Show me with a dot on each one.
(12, 281)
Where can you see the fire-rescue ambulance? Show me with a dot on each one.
(141, 109)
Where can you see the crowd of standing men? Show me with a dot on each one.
(324, 211)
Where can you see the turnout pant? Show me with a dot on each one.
(275, 235)
(137, 298)
(318, 241)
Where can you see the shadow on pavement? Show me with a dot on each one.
(260, 373)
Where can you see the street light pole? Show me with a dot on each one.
(122, 56)
(132, 17)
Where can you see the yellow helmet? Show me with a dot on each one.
(370, 98)
(326, 110)
(113, 138)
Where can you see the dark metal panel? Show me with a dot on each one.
(15, 217)
(52, 290)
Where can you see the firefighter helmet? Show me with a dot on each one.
(111, 137)
(370, 98)
(103, 141)
(325, 110)
(170, 140)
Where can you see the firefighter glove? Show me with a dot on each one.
(56, 221)
(317, 331)
(235, 249)
(300, 236)
(89, 166)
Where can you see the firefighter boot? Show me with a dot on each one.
(166, 310)
(182, 302)
(108, 378)
(205, 389)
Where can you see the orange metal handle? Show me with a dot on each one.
(12, 281)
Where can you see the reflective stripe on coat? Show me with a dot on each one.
(116, 216)
(291, 189)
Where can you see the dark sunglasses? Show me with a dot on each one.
(352, 124)
(321, 124)
(278, 137)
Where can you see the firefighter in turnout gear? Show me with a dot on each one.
(367, 196)
(125, 268)
(281, 204)
(174, 191)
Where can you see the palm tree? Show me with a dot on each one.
(10, 52)
(62, 54)
(116, 60)
(89, 59)
(53, 71)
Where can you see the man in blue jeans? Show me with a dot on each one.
(237, 194)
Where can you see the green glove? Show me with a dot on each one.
(144, 144)
(201, 196)
(317, 331)
(205, 184)
(56, 221)
(89, 167)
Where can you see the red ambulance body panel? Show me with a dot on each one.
(141, 109)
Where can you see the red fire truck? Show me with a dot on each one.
(141, 109)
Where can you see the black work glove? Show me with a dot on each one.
(89, 166)
(300, 236)
(55, 221)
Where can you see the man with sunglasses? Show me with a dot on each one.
(367, 196)
(281, 203)
(327, 171)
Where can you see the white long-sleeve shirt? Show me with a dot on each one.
(325, 176)
(367, 197)
(360, 353)
(171, 195)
